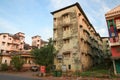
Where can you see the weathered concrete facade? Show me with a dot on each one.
(79, 46)
(11, 45)
(10, 42)
(106, 47)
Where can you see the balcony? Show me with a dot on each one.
(66, 34)
(85, 38)
(115, 43)
(13, 49)
(66, 22)
(15, 42)
(90, 53)
(81, 33)
(89, 40)
(118, 26)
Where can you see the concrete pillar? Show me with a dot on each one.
(115, 72)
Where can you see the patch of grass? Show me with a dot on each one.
(86, 73)
(97, 71)
(102, 71)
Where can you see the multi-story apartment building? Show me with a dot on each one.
(9, 42)
(21, 37)
(113, 23)
(38, 42)
(106, 47)
(15, 44)
(79, 46)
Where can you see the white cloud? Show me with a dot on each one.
(57, 4)
(7, 26)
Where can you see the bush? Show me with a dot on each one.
(4, 67)
(17, 62)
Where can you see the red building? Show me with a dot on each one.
(113, 23)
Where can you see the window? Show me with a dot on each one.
(81, 39)
(66, 41)
(80, 27)
(55, 31)
(79, 14)
(60, 61)
(106, 41)
(29, 62)
(69, 67)
(5, 61)
(3, 43)
(65, 28)
(21, 43)
(38, 40)
(10, 61)
(4, 36)
(54, 19)
(8, 44)
(38, 45)
(82, 53)
(2, 51)
(65, 16)
(66, 55)
(9, 38)
(54, 42)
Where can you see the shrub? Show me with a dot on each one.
(4, 67)
(17, 62)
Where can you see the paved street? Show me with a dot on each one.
(31, 76)
(5, 76)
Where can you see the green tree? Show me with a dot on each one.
(4, 67)
(0, 57)
(17, 62)
(45, 55)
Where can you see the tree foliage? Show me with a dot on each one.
(4, 67)
(17, 62)
(45, 55)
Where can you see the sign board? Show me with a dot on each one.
(42, 69)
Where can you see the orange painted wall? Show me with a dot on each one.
(115, 51)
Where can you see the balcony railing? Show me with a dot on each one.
(66, 34)
(12, 49)
(115, 43)
(16, 42)
(118, 26)
(89, 40)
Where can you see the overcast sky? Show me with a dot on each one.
(33, 17)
